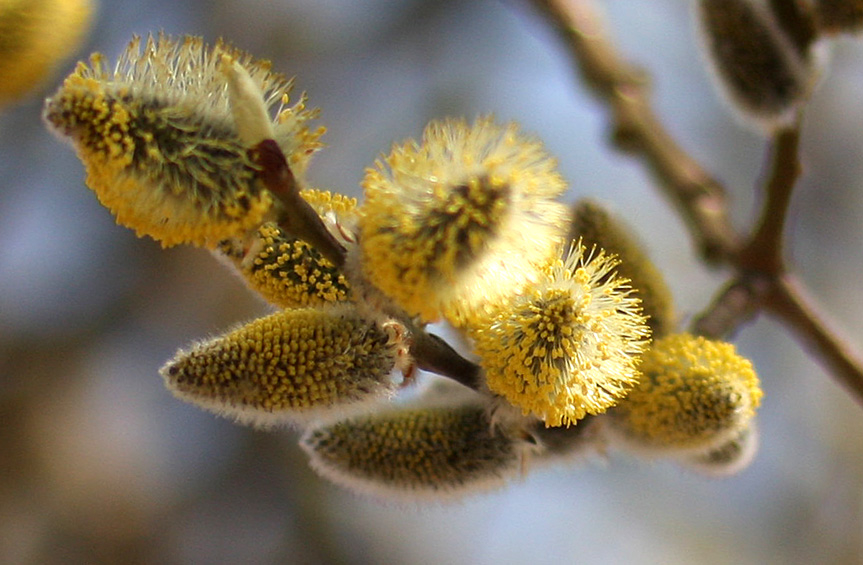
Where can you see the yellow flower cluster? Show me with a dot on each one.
(695, 394)
(179, 143)
(157, 136)
(568, 346)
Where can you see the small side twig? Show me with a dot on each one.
(297, 218)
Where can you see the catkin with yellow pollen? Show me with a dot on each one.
(417, 453)
(435, 212)
(291, 367)
(695, 395)
(35, 37)
(568, 346)
(287, 271)
(157, 136)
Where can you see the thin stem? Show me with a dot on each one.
(790, 303)
(764, 251)
(297, 218)
(435, 355)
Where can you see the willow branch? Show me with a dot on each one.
(760, 282)
(637, 130)
(790, 303)
(764, 251)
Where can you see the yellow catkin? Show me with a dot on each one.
(287, 271)
(435, 211)
(414, 453)
(594, 225)
(694, 394)
(568, 346)
(157, 137)
(35, 37)
(290, 367)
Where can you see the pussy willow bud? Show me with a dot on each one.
(694, 396)
(436, 211)
(35, 37)
(158, 136)
(595, 226)
(287, 271)
(729, 458)
(760, 67)
(567, 445)
(432, 453)
(291, 367)
(835, 16)
(567, 346)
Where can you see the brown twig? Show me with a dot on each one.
(297, 217)
(764, 251)
(760, 280)
(790, 303)
(697, 195)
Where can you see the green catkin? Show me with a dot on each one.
(416, 453)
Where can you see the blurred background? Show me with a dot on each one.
(100, 464)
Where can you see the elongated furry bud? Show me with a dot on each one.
(291, 367)
(594, 225)
(764, 73)
(835, 16)
(431, 452)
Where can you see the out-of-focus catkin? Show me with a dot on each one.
(418, 453)
(765, 68)
(35, 37)
(594, 225)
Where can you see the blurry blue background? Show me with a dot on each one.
(101, 465)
